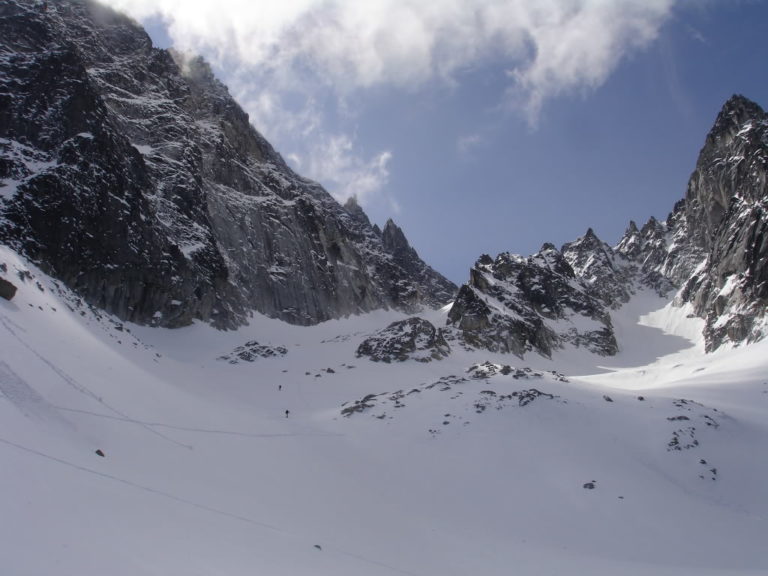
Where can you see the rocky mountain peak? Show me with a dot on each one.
(726, 215)
(513, 304)
(357, 212)
(712, 251)
(731, 165)
(652, 228)
(735, 113)
(393, 237)
(132, 175)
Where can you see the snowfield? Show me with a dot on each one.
(297, 457)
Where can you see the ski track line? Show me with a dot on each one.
(202, 430)
(199, 506)
(83, 389)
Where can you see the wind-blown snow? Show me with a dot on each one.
(445, 473)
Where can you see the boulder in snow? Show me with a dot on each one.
(7, 289)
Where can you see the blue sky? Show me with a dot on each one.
(483, 126)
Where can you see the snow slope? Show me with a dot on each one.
(434, 469)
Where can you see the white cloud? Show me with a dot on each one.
(467, 144)
(550, 46)
(335, 162)
(280, 54)
(330, 157)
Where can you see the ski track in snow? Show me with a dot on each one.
(71, 382)
(24, 397)
(199, 430)
(199, 506)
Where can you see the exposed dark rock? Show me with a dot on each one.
(525, 397)
(515, 304)
(715, 245)
(604, 272)
(132, 175)
(410, 339)
(358, 406)
(252, 351)
(7, 289)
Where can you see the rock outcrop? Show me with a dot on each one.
(711, 252)
(7, 289)
(132, 175)
(410, 339)
(518, 305)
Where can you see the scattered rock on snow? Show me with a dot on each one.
(489, 369)
(367, 402)
(251, 351)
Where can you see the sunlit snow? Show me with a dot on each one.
(649, 463)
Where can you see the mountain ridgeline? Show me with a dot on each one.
(711, 253)
(131, 174)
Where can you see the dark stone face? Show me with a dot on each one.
(7, 289)
(138, 181)
(727, 214)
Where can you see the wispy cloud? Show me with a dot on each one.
(466, 145)
(697, 35)
(298, 48)
(550, 45)
(335, 162)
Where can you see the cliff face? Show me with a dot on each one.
(726, 207)
(711, 252)
(132, 175)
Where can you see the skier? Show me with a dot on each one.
(287, 412)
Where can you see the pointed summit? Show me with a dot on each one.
(733, 115)
(393, 238)
(650, 227)
(355, 210)
(731, 164)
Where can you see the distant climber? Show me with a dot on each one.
(279, 387)
(287, 412)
